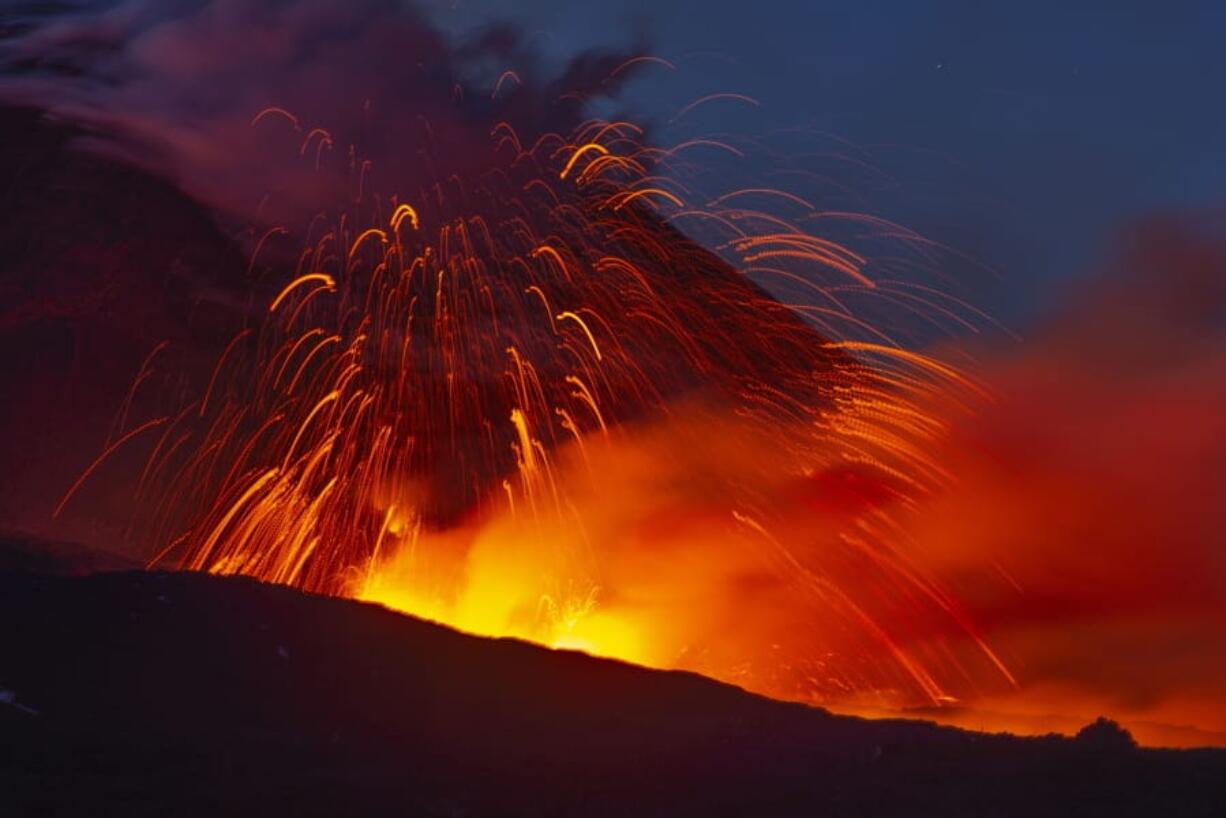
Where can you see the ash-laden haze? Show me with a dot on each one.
(1094, 482)
(489, 362)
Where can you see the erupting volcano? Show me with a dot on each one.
(525, 403)
(426, 323)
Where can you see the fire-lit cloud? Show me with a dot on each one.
(1093, 483)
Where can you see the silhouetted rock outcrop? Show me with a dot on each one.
(1105, 734)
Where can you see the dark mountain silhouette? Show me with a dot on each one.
(99, 264)
(156, 694)
(20, 553)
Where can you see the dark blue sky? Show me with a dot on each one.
(1025, 134)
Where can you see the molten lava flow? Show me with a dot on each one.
(526, 405)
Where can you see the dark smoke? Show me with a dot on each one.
(172, 87)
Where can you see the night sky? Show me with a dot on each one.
(1026, 135)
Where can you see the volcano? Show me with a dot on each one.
(448, 445)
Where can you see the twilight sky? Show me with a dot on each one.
(1022, 134)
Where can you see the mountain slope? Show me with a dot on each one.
(160, 693)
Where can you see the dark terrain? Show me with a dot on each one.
(133, 693)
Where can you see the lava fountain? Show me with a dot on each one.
(526, 373)
(527, 404)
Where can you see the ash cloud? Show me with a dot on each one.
(172, 86)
